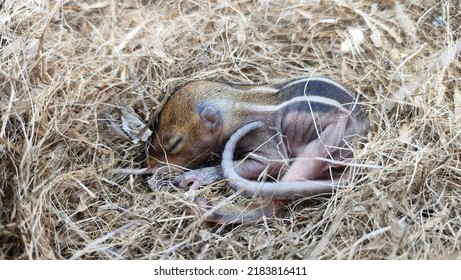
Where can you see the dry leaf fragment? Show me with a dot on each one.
(132, 125)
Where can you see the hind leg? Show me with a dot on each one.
(309, 164)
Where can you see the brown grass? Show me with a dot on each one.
(65, 63)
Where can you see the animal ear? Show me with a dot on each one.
(211, 117)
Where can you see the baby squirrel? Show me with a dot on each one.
(293, 131)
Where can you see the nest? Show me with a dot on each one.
(68, 65)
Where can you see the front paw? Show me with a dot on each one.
(195, 178)
(189, 179)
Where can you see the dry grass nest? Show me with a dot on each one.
(67, 65)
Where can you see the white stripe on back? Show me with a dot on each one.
(326, 80)
(309, 99)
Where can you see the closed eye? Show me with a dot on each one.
(176, 146)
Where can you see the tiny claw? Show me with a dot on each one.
(177, 181)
